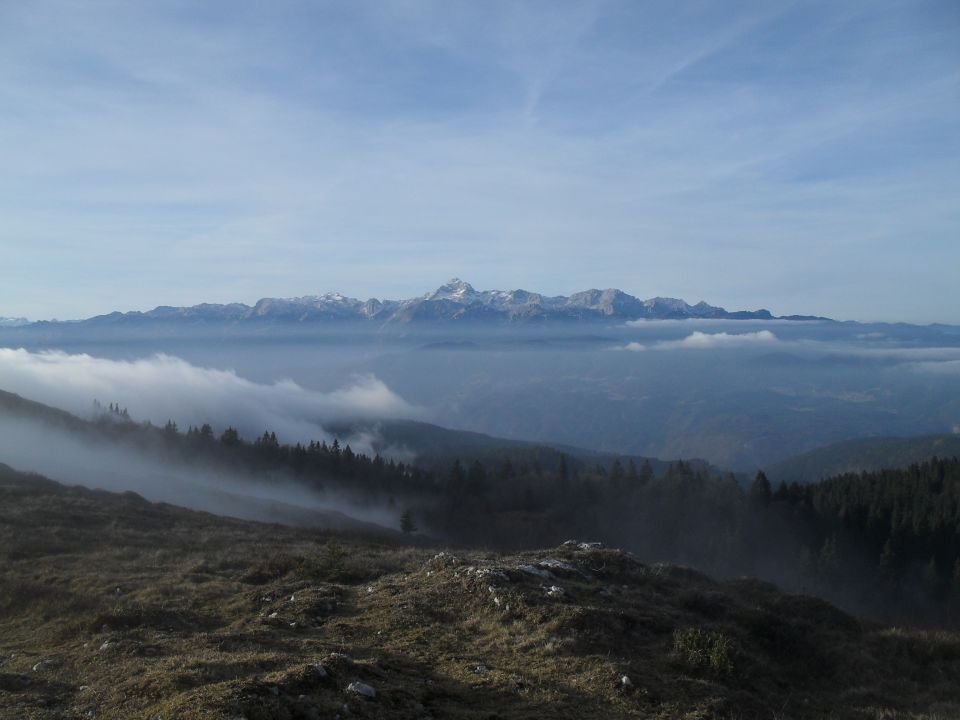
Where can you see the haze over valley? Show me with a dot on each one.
(415, 360)
(740, 393)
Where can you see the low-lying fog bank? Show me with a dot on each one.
(59, 455)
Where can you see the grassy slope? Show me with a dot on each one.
(134, 610)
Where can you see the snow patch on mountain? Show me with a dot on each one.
(456, 300)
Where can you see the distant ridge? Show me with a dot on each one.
(863, 455)
(454, 301)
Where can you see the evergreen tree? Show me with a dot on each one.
(760, 490)
(646, 471)
(931, 579)
(828, 565)
(616, 470)
(477, 479)
(889, 563)
(407, 525)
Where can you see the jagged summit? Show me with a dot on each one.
(455, 300)
(455, 289)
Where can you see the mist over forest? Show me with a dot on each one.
(689, 448)
(644, 434)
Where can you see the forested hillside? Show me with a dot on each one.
(884, 543)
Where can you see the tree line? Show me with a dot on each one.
(885, 542)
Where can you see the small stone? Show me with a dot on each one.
(625, 682)
(274, 690)
(555, 591)
(105, 646)
(359, 688)
(369, 590)
(293, 598)
(320, 671)
(555, 564)
(343, 657)
(481, 669)
(272, 616)
(293, 625)
(590, 546)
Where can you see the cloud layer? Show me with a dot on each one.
(163, 387)
(699, 340)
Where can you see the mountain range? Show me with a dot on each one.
(455, 301)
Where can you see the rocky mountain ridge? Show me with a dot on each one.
(456, 300)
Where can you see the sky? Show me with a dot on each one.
(798, 156)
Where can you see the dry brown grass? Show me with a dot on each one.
(136, 610)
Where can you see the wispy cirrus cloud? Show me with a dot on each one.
(155, 153)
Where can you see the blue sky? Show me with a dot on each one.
(803, 157)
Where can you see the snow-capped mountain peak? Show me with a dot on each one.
(455, 289)
(456, 300)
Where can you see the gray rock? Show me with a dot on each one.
(555, 564)
(537, 572)
(555, 591)
(489, 572)
(359, 688)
